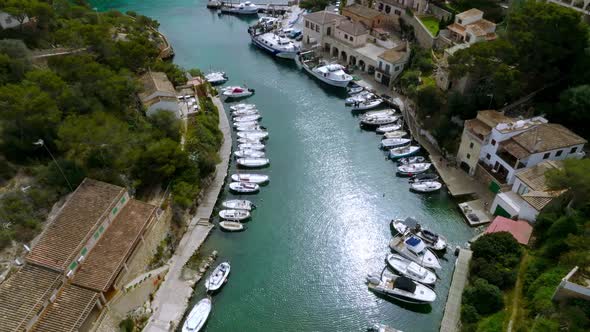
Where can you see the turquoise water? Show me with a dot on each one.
(322, 222)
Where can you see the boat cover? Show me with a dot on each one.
(415, 244)
(406, 284)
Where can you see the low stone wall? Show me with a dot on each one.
(423, 36)
(439, 12)
(482, 175)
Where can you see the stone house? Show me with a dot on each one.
(158, 93)
(470, 27)
(319, 24)
(370, 17)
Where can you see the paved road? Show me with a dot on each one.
(171, 299)
(452, 314)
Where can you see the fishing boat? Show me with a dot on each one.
(414, 248)
(367, 104)
(242, 106)
(231, 226)
(332, 74)
(410, 269)
(395, 134)
(274, 44)
(250, 177)
(244, 8)
(237, 92)
(253, 134)
(400, 288)
(403, 151)
(359, 97)
(244, 112)
(432, 239)
(379, 113)
(424, 177)
(251, 146)
(238, 204)
(249, 154)
(247, 118)
(198, 316)
(411, 160)
(411, 169)
(425, 186)
(253, 162)
(234, 215)
(218, 277)
(216, 78)
(390, 143)
(354, 88)
(388, 128)
(376, 121)
(244, 187)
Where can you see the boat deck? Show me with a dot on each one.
(475, 208)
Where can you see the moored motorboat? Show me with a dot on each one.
(246, 124)
(218, 277)
(412, 169)
(249, 154)
(247, 118)
(245, 140)
(400, 226)
(244, 8)
(410, 269)
(274, 44)
(414, 248)
(214, 4)
(244, 187)
(388, 128)
(359, 97)
(395, 134)
(390, 143)
(258, 134)
(250, 177)
(231, 226)
(250, 127)
(216, 78)
(425, 186)
(354, 88)
(234, 215)
(238, 204)
(237, 92)
(242, 106)
(432, 239)
(376, 121)
(424, 177)
(403, 151)
(253, 162)
(411, 160)
(251, 146)
(244, 112)
(387, 112)
(198, 316)
(367, 104)
(332, 74)
(400, 288)
(377, 327)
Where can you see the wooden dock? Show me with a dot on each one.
(450, 321)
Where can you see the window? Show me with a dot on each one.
(468, 156)
(522, 189)
(397, 12)
(329, 31)
(312, 26)
(397, 68)
(546, 155)
(380, 7)
(387, 9)
(573, 150)
(387, 68)
(488, 156)
(471, 145)
(558, 153)
(345, 36)
(459, 21)
(494, 142)
(351, 39)
(317, 28)
(380, 64)
(307, 24)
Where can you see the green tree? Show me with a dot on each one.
(484, 297)
(573, 109)
(165, 124)
(498, 247)
(14, 60)
(428, 99)
(160, 162)
(575, 177)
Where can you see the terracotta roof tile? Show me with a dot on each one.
(546, 137)
(362, 11)
(392, 56)
(515, 149)
(353, 28)
(156, 82)
(534, 177)
(521, 230)
(323, 17)
(469, 13)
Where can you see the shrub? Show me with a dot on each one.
(484, 297)
(544, 325)
(492, 323)
(469, 314)
(498, 247)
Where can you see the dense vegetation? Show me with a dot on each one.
(84, 107)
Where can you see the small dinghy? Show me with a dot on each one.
(403, 151)
(414, 249)
(218, 277)
(247, 118)
(424, 177)
(249, 154)
(238, 204)
(198, 316)
(412, 169)
(354, 88)
(400, 288)
(376, 121)
(232, 226)
(359, 97)
(251, 178)
(237, 92)
(234, 215)
(432, 239)
(367, 104)
(253, 162)
(399, 226)
(410, 269)
(258, 134)
(411, 160)
(245, 112)
(242, 106)
(216, 78)
(395, 134)
(251, 146)
(244, 187)
(389, 143)
(388, 128)
(244, 140)
(425, 186)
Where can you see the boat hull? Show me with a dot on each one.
(338, 84)
(278, 53)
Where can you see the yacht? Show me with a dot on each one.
(332, 74)
(216, 78)
(274, 44)
(218, 277)
(400, 288)
(251, 178)
(414, 248)
(410, 269)
(237, 92)
(244, 8)
(238, 204)
(198, 316)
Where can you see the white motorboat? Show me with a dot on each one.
(235, 215)
(399, 226)
(198, 316)
(244, 187)
(253, 162)
(432, 239)
(395, 134)
(231, 226)
(238, 204)
(244, 8)
(250, 177)
(268, 21)
(253, 134)
(251, 146)
(412, 169)
(332, 74)
(354, 88)
(427, 186)
(403, 151)
(237, 92)
(246, 124)
(414, 248)
(390, 143)
(423, 177)
(377, 327)
(255, 127)
(242, 106)
(274, 44)
(376, 121)
(218, 277)
(244, 112)
(367, 104)
(214, 4)
(401, 288)
(216, 78)
(247, 118)
(359, 97)
(249, 154)
(244, 140)
(410, 269)
(411, 160)
(388, 128)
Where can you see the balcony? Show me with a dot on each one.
(499, 173)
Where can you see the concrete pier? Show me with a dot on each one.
(452, 315)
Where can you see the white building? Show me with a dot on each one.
(8, 21)
(158, 94)
(319, 24)
(470, 27)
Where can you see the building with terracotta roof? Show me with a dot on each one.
(519, 229)
(80, 260)
(470, 27)
(158, 93)
(369, 17)
(319, 24)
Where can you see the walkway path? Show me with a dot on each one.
(172, 298)
(452, 314)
